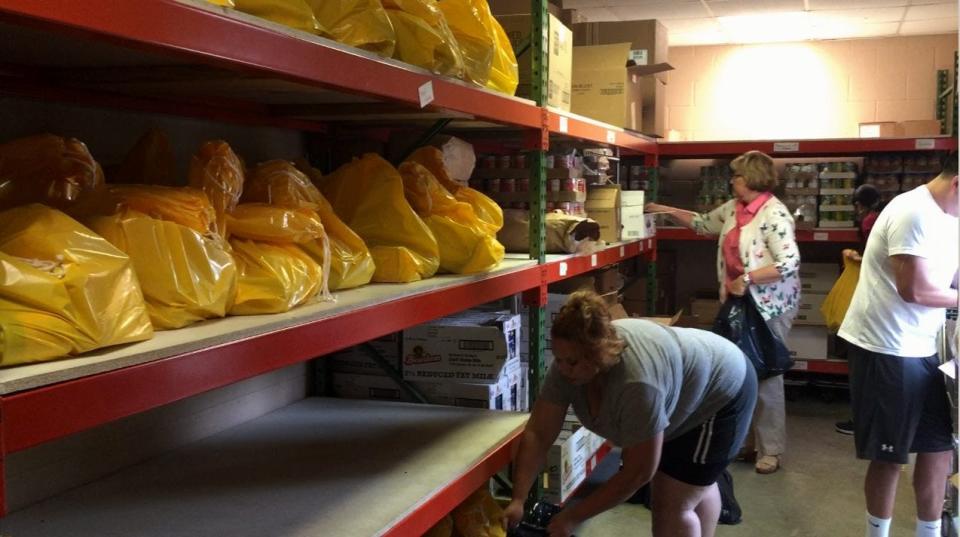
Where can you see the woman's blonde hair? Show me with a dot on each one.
(585, 321)
(757, 170)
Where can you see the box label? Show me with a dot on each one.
(786, 147)
(426, 93)
(923, 143)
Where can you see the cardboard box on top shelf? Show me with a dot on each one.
(518, 7)
(918, 127)
(648, 46)
(559, 50)
(472, 347)
(605, 89)
(878, 129)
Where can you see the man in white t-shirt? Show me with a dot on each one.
(908, 277)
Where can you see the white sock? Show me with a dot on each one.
(878, 527)
(928, 528)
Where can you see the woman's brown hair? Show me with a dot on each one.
(585, 321)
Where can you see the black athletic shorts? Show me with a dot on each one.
(699, 456)
(899, 404)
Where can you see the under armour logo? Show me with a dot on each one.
(886, 447)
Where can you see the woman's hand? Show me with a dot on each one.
(512, 514)
(737, 287)
(561, 525)
(852, 255)
(657, 208)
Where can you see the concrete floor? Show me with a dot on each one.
(818, 491)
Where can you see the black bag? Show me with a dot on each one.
(741, 322)
(730, 512)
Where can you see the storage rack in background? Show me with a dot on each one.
(115, 55)
(783, 149)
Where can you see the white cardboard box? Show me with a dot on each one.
(355, 360)
(566, 465)
(633, 224)
(818, 277)
(808, 311)
(472, 347)
(497, 396)
(808, 342)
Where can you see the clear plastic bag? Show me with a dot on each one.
(367, 194)
(218, 172)
(359, 23)
(465, 246)
(423, 37)
(63, 289)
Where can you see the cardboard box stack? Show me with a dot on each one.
(471, 360)
(808, 337)
(603, 88)
(619, 213)
(892, 174)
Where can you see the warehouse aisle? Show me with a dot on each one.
(817, 493)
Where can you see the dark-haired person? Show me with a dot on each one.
(866, 204)
(908, 277)
(757, 255)
(677, 401)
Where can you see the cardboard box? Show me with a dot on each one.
(878, 129)
(559, 51)
(648, 46)
(808, 311)
(608, 280)
(818, 277)
(473, 347)
(355, 360)
(619, 213)
(807, 342)
(918, 127)
(499, 396)
(518, 7)
(566, 466)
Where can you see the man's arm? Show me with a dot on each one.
(914, 284)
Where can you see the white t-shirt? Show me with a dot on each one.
(878, 320)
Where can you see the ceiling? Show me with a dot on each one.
(712, 22)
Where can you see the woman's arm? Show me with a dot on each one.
(639, 464)
(542, 429)
(704, 224)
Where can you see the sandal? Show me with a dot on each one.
(768, 464)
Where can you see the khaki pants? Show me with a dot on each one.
(768, 432)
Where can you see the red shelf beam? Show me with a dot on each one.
(576, 127)
(198, 34)
(576, 265)
(830, 367)
(804, 148)
(803, 235)
(35, 416)
(443, 501)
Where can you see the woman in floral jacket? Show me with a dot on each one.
(757, 254)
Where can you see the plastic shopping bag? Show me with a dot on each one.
(150, 162)
(268, 223)
(63, 289)
(348, 262)
(465, 246)
(367, 194)
(834, 307)
(218, 172)
(479, 516)
(469, 23)
(358, 23)
(293, 13)
(487, 210)
(46, 169)
(185, 269)
(423, 37)
(504, 73)
(741, 322)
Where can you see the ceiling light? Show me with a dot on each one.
(767, 27)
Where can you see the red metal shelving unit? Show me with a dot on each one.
(829, 367)
(804, 148)
(574, 126)
(561, 267)
(803, 235)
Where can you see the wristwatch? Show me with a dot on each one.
(746, 279)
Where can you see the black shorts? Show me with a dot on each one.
(899, 404)
(699, 456)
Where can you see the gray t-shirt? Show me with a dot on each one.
(668, 379)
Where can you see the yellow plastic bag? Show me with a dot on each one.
(46, 169)
(423, 37)
(443, 528)
(63, 289)
(349, 263)
(358, 23)
(293, 13)
(485, 208)
(479, 516)
(367, 194)
(834, 307)
(218, 172)
(273, 277)
(465, 246)
(474, 36)
(150, 162)
(185, 269)
(224, 3)
(267, 223)
(504, 73)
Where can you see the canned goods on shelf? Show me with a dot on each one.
(553, 185)
(493, 185)
(488, 162)
(549, 161)
(551, 206)
(504, 161)
(568, 185)
(523, 184)
(582, 185)
(519, 160)
(567, 207)
(508, 185)
(563, 161)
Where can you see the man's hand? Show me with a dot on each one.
(512, 514)
(561, 525)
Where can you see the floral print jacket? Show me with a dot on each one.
(767, 240)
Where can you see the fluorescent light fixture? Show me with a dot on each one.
(767, 27)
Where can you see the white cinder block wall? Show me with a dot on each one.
(803, 90)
